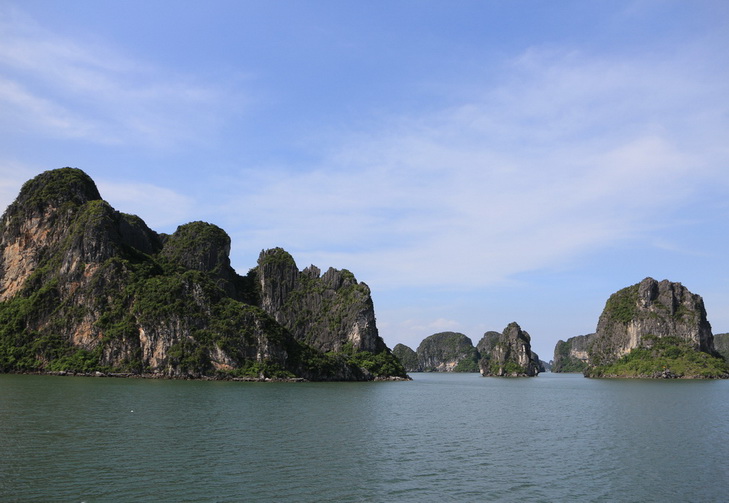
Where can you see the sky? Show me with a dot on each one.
(474, 163)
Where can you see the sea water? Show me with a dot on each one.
(440, 437)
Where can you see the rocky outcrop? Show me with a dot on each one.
(654, 329)
(329, 312)
(488, 342)
(541, 365)
(203, 247)
(661, 309)
(408, 357)
(572, 355)
(86, 288)
(496, 354)
(508, 353)
(447, 352)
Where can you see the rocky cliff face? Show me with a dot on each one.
(84, 287)
(660, 309)
(508, 353)
(203, 247)
(657, 330)
(447, 352)
(572, 355)
(721, 344)
(488, 342)
(329, 312)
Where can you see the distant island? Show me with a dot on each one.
(87, 289)
(649, 330)
(502, 354)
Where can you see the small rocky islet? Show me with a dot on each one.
(501, 354)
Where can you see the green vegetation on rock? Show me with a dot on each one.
(509, 368)
(622, 305)
(447, 352)
(380, 364)
(636, 328)
(277, 257)
(663, 357)
(721, 344)
(92, 289)
(407, 356)
(564, 361)
(467, 365)
(508, 354)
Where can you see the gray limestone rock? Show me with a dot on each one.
(508, 354)
(660, 309)
(572, 355)
(331, 312)
(447, 352)
(408, 357)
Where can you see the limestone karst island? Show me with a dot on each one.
(506, 354)
(85, 289)
(649, 330)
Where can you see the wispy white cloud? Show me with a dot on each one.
(566, 155)
(60, 87)
(23, 110)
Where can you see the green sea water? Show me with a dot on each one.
(440, 437)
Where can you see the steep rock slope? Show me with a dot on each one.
(488, 342)
(572, 355)
(508, 353)
(408, 357)
(661, 323)
(330, 312)
(84, 287)
(721, 344)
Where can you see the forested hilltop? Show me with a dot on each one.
(85, 288)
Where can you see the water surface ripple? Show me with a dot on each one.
(441, 437)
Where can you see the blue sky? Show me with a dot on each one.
(475, 163)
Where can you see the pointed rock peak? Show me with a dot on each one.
(513, 330)
(508, 354)
(648, 289)
(311, 272)
(338, 278)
